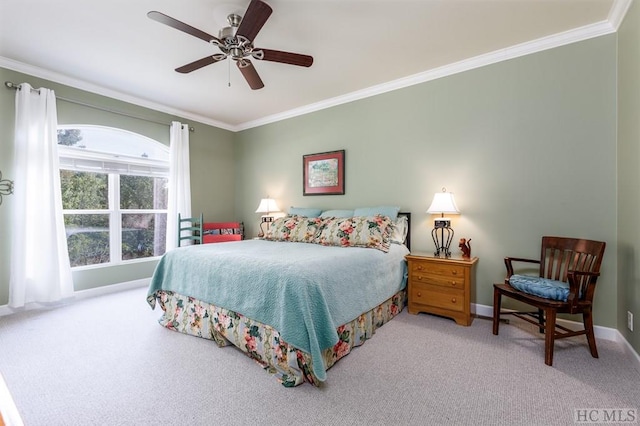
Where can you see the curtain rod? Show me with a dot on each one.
(14, 86)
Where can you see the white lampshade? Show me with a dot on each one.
(267, 205)
(443, 202)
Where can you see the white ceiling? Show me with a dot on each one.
(360, 47)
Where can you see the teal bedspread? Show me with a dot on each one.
(305, 291)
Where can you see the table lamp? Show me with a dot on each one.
(442, 233)
(266, 206)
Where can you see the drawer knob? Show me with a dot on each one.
(453, 283)
(419, 277)
(419, 268)
(419, 294)
(453, 300)
(454, 272)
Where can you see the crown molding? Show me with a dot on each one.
(527, 48)
(618, 11)
(99, 90)
(609, 26)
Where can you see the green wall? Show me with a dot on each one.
(629, 174)
(211, 154)
(528, 146)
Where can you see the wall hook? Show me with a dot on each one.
(6, 187)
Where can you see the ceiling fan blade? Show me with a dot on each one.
(195, 65)
(285, 57)
(250, 74)
(254, 18)
(168, 20)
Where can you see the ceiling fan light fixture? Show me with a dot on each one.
(236, 42)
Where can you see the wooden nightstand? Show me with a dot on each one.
(441, 286)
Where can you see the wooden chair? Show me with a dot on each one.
(568, 271)
(193, 227)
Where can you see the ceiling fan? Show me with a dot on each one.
(236, 42)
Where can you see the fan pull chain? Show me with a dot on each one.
(229, 72)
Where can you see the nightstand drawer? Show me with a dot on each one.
(438, 269)
(452, 282)
(441, 286)
(439, 297)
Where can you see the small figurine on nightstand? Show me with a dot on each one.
(465, 246)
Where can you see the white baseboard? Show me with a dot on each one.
(81, 294)
(604, 333)
(100, 291)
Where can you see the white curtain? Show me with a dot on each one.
(179, 181)
(40, 269)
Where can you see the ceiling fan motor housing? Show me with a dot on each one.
(227, 32)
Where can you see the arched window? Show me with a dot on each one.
(114, 194)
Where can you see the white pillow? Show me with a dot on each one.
(400, 230)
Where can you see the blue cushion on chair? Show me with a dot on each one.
(541, 287)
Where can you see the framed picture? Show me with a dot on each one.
(323, 174)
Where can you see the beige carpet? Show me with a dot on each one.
(106, 361)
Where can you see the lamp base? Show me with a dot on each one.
(442, 241)
(267, 220)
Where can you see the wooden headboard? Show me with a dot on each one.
(408, 240)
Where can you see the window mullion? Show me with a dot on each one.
(85, 211)
(115, 227)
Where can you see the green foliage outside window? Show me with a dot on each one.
(142, 192)
(87, 238)
(84, 190)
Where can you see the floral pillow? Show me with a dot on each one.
(299, 229)
(357, 231)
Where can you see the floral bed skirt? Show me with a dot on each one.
(290, 366)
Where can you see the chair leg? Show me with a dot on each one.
(549, 335)
(497, 300)
(587, 319)
(541, 320)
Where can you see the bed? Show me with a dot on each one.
(296, 301)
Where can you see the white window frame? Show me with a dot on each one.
(113, 165)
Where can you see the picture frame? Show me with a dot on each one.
(323, 173)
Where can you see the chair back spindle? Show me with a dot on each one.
(192, 226)
(560, 256)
